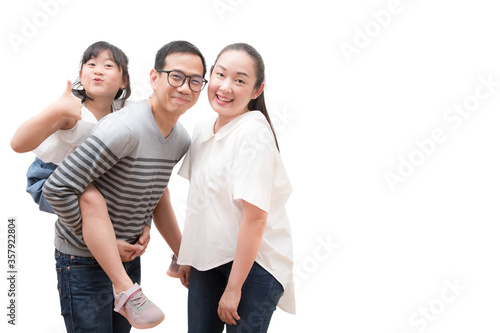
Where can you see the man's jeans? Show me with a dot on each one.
(86, 294)
(259, 296)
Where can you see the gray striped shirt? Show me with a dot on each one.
(130, 163)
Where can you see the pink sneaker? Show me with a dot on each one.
(173, 270)
(137, 308)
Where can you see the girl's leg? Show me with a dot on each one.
(133, 269)
(100, 238)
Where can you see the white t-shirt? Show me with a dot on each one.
(63, 142)
(239, 162)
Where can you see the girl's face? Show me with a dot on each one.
(232, 84)
(101, 77)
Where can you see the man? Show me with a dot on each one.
(129, 158)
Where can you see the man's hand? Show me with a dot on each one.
(129, 252)
(145, 237)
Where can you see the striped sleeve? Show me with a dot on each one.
(64, 187)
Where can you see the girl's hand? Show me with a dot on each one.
(68, 105)
(228, 306)
(62, 114)
(184, 271)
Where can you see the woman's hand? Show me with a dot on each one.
(228, 306)
(184, 271)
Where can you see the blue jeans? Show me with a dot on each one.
(37, 174)
(86, 294)
(259, 296)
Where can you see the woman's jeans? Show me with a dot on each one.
(259, 296)
(86, 294)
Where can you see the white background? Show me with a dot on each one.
(368, 257)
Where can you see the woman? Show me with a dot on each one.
(236, 251)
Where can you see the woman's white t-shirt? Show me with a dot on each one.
(239, 162)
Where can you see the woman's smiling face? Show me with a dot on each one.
(232, 83)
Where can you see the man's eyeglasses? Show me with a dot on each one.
(177, 78)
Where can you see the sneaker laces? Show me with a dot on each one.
(138, 299)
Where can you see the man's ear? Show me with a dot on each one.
(153, 77)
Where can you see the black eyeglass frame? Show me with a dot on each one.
(184, 81)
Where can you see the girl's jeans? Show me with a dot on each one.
(37, 174)
(86, 294)
(259, 296)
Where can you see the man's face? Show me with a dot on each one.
(176, 100)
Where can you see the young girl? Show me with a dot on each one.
(236, 250)
(103, 87)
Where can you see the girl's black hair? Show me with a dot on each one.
(121, 60)
(259, 102)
